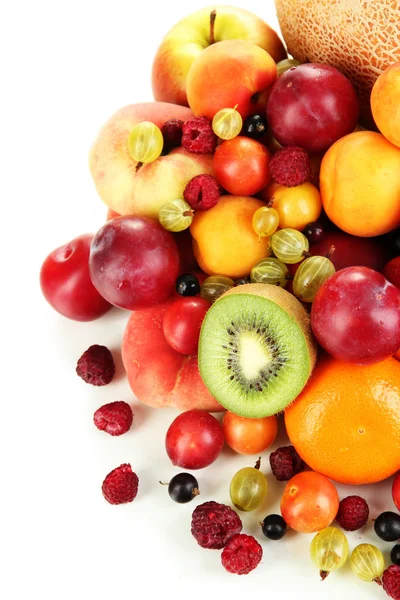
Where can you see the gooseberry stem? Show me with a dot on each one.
(138, 166)
(163, 483)
(258, 463)
(378, 580)
(330, 251)
(188, 213)
(213, 16)
(323, 575)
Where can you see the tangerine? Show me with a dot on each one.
(346, 422)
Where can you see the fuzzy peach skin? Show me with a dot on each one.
(188, 39)
(360, 184)
(143, 192)
(385, 103)
(158, 375)
(228, 74)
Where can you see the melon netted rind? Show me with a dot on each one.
(359, 37)
(288, 322)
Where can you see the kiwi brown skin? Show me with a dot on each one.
(295, 312)
(289, 303)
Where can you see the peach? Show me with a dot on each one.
(228, 74)
(360, 184)
(158, 375)
(143, 192)
(224, 241)
(385, 103)
(188, 39)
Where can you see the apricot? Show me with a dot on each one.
(385, 103)
(360, 184)
(224, 241)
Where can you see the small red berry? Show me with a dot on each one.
(285, 463)
(114, 418)
(391, 581)
(290, 166)
(198, 136)
(121, 485)
(353, 513)
(172, 133)
(241, 554)
(202, 192)
(96, 365)
(213, 524)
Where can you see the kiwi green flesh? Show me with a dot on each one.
(253, 356)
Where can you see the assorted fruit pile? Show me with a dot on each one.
(254, 234)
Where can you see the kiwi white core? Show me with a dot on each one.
(253, 355)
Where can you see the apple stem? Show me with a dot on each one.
(213, 16)
(138, 166)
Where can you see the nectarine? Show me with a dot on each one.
(385, 103)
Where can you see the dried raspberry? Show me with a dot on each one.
(353, 513)
(172, 133)
(290, 166)
(198, 136)
(213, 524)
(285, 463)
(241, 554)
(202, 192)
(121, 485)
(391, 581)
(96, 365)
(115, 418)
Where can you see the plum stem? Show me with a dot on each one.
(258, 463)
(213, 16)
(138, 166)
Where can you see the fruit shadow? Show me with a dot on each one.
(120, 372)
(141, 413)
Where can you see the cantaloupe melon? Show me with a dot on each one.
(359, 37)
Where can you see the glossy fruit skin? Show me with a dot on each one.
(248, 488)
(356, 408)
(227, 123)
(187, 284)
(396, 491)
(255, 127)
(194, 440)
(289, 245)
(367, 562)
(145, 142)
(182, 322)
(392, 271)
(214, 286)
(351, 251)
(249, 436)
(329, 550)
(312, 97)
(134, 262)
(273, 527)
(395, 554)
(297, 205)
(310, 276)
(387, 526)
(183, 488)
(241, 166)
(66, 284)
(356, 316)
(314, 232)
(309, 503)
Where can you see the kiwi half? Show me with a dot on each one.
(256, 350)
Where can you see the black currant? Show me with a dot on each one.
(183, 488)
(242, 281)
(274, 527)
(387, 526)
(314, 232)
(255, 126)
(395, 554)
(187, 284)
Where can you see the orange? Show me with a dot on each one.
(360, 184)
(360, 38)
(385, 103)
(346, 422)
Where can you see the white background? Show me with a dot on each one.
(66, 67)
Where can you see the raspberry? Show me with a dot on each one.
(202, 192)
(121, 485)
(172, 133)
(391, 581)
(241, 554)
(213, 524)
(115, 418)
(198, 136)
(290, 166)
(96, 365)
(353, 513)
(285, 463)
